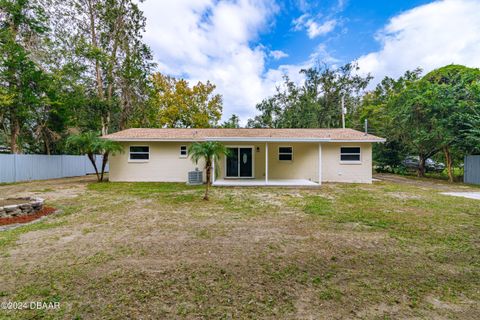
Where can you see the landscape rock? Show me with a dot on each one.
(10, 208)
(31, 205)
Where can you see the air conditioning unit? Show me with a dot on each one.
(195, 177)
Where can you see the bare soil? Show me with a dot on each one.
(9, 202)
(424, 182)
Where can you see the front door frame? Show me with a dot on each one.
(253, 162)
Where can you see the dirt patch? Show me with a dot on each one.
(9, 202)
(50, 190)
(404, 195)
(423, 182)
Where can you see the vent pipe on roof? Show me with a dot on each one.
(366, 126)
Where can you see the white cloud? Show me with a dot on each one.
(278, 54)
(313, 28)
(428, 36)
(212, 40)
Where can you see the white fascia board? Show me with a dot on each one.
(359, 141)
(250, 139)
(153, 140)
(242, 139)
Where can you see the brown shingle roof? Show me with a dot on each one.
(246, 134)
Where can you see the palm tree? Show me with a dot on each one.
(210, 152)
(90, 143)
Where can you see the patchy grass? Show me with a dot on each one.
(157, 250)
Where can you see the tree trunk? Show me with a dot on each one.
(104, 164)
(47, 147)
(208, 168)
(448, 162)
(98, 70)
(92, 160)
(105, 121)
(14, 134)
(421, 166)
(93, 34)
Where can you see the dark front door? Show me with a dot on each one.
(239, 163)
(245, 160)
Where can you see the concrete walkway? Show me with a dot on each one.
(469, 195)
(261, 182)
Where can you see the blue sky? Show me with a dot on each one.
(357, 21)
(245, 46)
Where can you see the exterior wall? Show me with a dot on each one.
(303, 166)
(333, 170)
(165, 164)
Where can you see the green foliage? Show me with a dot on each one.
(314, 104)
(24, 84)
(173, 103)
(232, 122)
(424, 116)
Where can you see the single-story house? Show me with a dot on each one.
(257, 156)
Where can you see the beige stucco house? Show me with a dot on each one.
(258, 156)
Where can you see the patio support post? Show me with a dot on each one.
(319, 163)
(213, 171)
(266, 162)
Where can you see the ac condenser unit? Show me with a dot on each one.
(195, 177)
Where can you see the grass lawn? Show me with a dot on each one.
(156, 250)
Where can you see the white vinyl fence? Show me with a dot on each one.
(26, 167)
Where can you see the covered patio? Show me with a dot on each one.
(270, 163)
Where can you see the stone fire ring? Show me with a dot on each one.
(28, 206)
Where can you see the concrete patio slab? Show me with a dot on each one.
(469, 195)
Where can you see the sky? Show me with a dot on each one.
(245, 47)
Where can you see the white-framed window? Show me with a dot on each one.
(183, 151)
(285, 153)
(139, 153)
(350, 154)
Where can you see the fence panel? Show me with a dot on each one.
(472, 169)
(73, 166)
(7, 168)
(26, 167)
(37, 167)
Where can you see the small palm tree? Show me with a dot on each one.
(210, 152)
(90, 143)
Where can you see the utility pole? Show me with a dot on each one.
(344, 111)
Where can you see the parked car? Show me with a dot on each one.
(412, 162)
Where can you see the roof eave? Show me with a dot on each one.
(246, 139)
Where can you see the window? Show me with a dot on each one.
(350, 154)
(285, 153)
(183, 151)
(139, 153)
